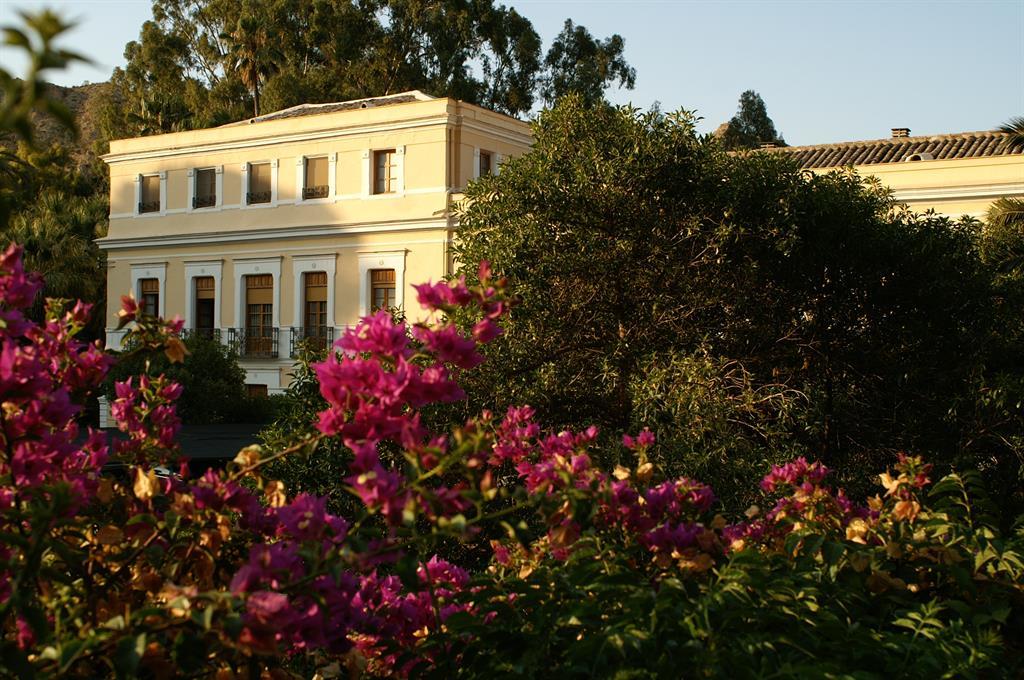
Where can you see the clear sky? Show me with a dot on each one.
(828, 71)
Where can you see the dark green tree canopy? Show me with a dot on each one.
(751, 127)
(581, 64)
(199, 63)
(743, 309)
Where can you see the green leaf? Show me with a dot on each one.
(127, 655)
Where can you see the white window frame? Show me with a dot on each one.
(368, 170)
(385, 260)
(245, 184)
(158, 271)
(301, 264)
(194, 270)
(163, 194)
(263, 265)
(218, 199)
(300, 178)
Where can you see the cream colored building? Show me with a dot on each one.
(954, 174)
(293, 225)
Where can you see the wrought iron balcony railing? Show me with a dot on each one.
(149, 206)
(211, 333)
(315, 192)
(254, 343)
(204, 202)
(253, 197)
(316, 338)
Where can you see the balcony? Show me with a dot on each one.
(254, 197)
(209, 333)
(149, 206)
(315, 338)
(309, 193)
(254, 343)
(205, 202)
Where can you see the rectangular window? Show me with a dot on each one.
(149, 196)
(205, 188)
(315, 309)
(149, 296)
(259, 315)
(316, 300)
(485, 163)
(382, 289)
(204, 304)
(256, 390)
(259, 184)
(315, 184)
(385, 172)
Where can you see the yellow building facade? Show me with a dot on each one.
(287, 228)
(955, 174)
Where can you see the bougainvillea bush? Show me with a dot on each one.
(585, 572)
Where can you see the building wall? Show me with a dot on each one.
(348, 233)
(965, 186)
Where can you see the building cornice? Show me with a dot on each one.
(206, 238)
(270, 140)
(960, 192)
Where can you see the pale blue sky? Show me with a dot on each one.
(828, 71)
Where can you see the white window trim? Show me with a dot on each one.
(496, 163)
(301, 264)
(385, 260)
(368, 171)
(245, 185)
(138, 194)
(219, 189)
(156, 271)
(263, 265)
(194, 270)
(300, 178)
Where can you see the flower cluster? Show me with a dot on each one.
(228, 569)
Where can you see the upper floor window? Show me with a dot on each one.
(385, 172)
(315, 181)
(149, 296)
(382, 289)
(485, 163)
(149, 194)
(259, 184)
(205, 188)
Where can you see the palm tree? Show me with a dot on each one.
(253, 54)
(1008, 213)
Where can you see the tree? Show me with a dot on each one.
(1008, 213)
(743, 309)
(213, 383)
(183, 71)
(751, 127)
(579, 63)
(253, 54)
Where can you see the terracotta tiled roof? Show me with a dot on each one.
(900, 149)
(333, 107)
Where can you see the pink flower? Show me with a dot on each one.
(442, 295)
(449, 345)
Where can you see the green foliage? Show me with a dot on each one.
(197, 64)
(320, 471)
(719, 422)
(937, 596)
(213, 383)
(748, 309)
(751, 127)
(578, 63)
(50, 202)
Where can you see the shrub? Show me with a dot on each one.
(630, 574)
(212, 382)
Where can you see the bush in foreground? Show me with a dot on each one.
(624, 574)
